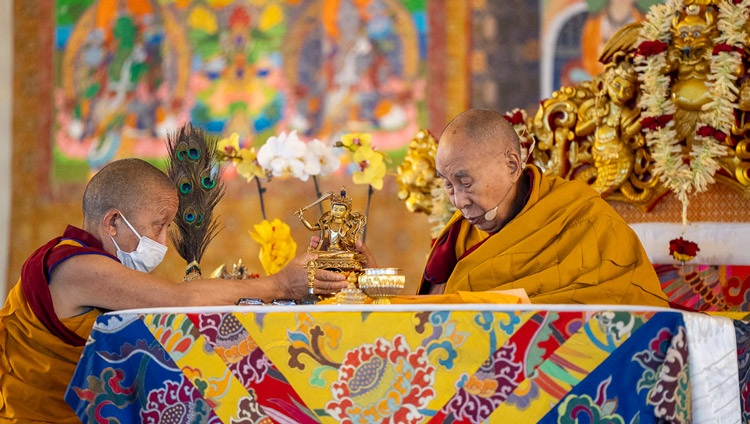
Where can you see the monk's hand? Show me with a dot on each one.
(293, 279)
(315, 242)
(329, 282)
(362, 248)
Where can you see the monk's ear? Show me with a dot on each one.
(109, 221)
(514, 163)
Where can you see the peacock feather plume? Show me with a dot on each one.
(194, 170)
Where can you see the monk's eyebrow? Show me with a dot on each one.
(457, 175)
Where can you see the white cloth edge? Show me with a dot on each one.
(714, 374)
(411, 307)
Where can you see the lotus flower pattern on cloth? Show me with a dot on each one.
(364, 391)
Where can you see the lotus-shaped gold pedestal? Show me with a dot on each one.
(351, 295)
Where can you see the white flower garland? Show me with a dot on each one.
(682, 179)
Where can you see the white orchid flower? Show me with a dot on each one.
(320, 159)
(284, 155)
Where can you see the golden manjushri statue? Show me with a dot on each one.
(339, 228)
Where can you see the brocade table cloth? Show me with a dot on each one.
(412, 364)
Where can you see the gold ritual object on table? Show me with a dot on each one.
(381, 284)
(339, 228)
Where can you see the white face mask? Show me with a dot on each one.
(146, 256)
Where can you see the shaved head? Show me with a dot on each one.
(123, 185)
(478, 159)
(484, 129)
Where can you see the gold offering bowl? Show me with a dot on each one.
(381, 284)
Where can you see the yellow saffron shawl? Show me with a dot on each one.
(38, 356)
(567, 245)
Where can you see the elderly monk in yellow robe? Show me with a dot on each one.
(67, 283)
(515, 228)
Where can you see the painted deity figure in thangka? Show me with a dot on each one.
(353, 64)
(121, 82)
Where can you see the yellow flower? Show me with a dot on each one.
(249, 166)
(203, 19)
(277, 247)
(245, 160)
(229, 148)
(371, 167)
(354, 141)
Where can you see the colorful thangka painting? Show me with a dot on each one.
(128, 72)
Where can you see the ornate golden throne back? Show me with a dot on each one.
(665, 121)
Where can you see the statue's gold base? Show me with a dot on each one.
(338, 262)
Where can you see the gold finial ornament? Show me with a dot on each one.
(192, 271)
(238, 272)
(310, 298)
(352, 294)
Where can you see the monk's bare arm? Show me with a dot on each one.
(86, 281)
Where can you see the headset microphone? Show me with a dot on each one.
(491, 214)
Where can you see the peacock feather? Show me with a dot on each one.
(194, 170)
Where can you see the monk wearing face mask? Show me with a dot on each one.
(67, 283)
(516, 228)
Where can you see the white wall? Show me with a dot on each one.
(6, 152)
